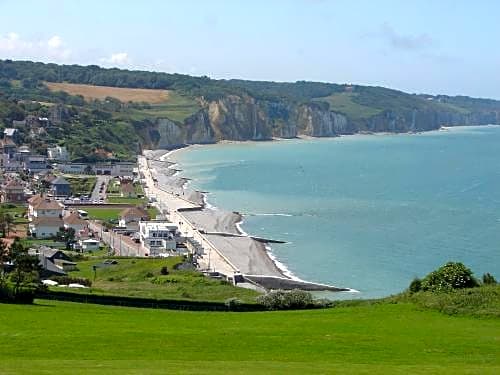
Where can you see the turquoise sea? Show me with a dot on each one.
(368, 212)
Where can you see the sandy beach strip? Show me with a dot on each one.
(239, 253)
(226, 248)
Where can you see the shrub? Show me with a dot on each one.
(323, 303)
(164, 270)
(232, 303)
(148, 275)
(23, 295)
(161, 280)
(415, 285)
(282, 300)
(488, 279)
(448, 277)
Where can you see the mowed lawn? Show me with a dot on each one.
(70, 338)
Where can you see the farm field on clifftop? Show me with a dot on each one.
(90, 92)
(380, 338)
(160, 103)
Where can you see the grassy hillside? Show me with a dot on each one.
(106, 114)
(345, 103)
(142, 278)
(371, 339)
(176, 108)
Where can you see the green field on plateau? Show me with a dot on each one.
(70, 338)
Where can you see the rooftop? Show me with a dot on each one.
(47, 204)
(9, 132)
(136, 212)
(59, 181)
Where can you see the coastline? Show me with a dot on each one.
(234, 250)
(237, 224)
(224, 229)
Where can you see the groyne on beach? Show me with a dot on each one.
(220, 243)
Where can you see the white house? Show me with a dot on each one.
(45, 227)
(73, 220)
(158, 237)
(89, 244)
(45, 216)
(40, 206)
(58, 153)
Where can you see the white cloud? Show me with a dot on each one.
(119, 58)
(13, 46)
(55, 42)
(405, 42)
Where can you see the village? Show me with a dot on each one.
(55, 206)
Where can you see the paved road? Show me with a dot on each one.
(96, 193)
(121, 245)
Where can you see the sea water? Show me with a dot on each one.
(368, 212)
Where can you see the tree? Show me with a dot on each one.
(66, 235)
(4, 258)
(489, 279)
(6, 223)
(448, 277)
(25, 275)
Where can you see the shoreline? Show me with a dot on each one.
(283, 269)
(168, 156)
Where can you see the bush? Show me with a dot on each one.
(448, 277)
(7, 294)
(415, 285)
(283, 300)
(488, 279)
(164, 270)
(232, 303)
(160, 280)
(323, 303)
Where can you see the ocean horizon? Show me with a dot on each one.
(368, 212)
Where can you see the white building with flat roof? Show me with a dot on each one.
(158, 237)
(58, 153)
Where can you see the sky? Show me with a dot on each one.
(436, 47)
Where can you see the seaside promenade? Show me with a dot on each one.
(169, 204)
(220, 246)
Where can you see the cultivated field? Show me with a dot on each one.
(90, 92)
(71, 338)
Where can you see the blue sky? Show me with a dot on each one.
(441, 46)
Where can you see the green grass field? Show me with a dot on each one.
(70, 338)
(142, 278)
(177, 108)
(343, 102)
(82, 185)
(17, 211)
(105, 214)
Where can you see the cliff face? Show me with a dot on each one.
(242, 118)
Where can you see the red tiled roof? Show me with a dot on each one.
(52, 221)
(135, 212)
(74, 219)
(48, 204)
